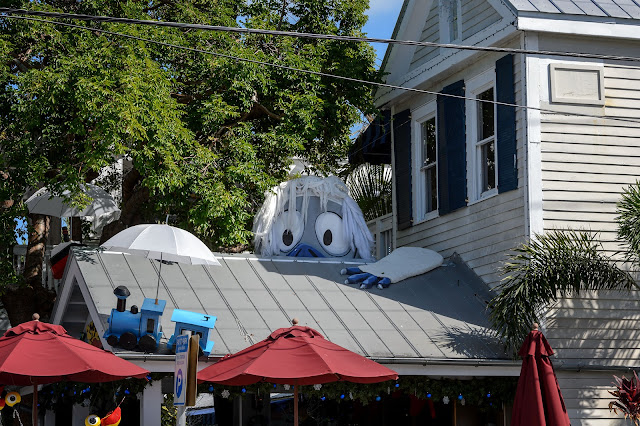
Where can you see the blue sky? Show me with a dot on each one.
(383, 15)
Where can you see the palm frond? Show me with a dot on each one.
(537, 273)
(628, 210)
(370, 187)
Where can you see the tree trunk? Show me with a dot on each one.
(21, 302)
(38, 234)
(134, 196)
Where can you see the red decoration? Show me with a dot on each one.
(112, 419)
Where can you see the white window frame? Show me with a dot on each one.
(422, 114)
(446, 15)
(475, 87)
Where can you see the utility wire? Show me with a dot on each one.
(322, 74)
(182, 25)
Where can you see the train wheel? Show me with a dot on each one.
(148, 343)
(112, 340)
(128, 340)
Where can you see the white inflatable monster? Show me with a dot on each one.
(316, 217)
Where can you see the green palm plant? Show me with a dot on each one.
(560, 262)
(370, 187)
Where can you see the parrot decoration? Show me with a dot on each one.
(111, 419)
(10, 399)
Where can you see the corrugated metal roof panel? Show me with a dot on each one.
(435, 315)
(630, 7)
(625, 9)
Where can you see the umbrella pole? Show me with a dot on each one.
(35, 405)
(295, 405)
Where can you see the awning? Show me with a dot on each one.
(374, 144)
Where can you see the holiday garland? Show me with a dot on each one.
(486, 393)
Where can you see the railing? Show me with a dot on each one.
(382, 230)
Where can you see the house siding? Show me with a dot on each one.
(587, 398)
(476, 16)
(430, 33)
(586, 164)
(482, 232)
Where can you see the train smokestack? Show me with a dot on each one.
(121, 293)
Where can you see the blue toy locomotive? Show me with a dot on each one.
(130, 328)
(141, 327)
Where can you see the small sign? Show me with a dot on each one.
(180, 376)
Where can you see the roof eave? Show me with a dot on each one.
(579, 25)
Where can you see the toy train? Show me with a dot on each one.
(141, 327)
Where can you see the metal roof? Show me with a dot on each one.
(626, 9)
(440, 315)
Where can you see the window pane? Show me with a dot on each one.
(453, 20)
(488, 166)
(429, 142)
(485, 115)
(431, 185)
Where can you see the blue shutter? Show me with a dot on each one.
(506, 122)
(402, 152)
(452, 156)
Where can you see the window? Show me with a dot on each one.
(486, 143)
(426, 163)
(453, 20)
(151, 325)
(482, 125)
(450, 20)
(429, 169)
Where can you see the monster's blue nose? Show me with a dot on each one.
(305, 250)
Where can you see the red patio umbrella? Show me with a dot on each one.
(35, 353)
(538, 400)
(297, 356)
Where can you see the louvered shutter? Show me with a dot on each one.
(402, 152)
(506, 122)
(452, 158)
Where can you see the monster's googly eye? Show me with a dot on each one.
(288, 230)
(92, 420)
(12, 398)
(330, 234)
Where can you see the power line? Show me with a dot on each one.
(111, 19)
(322, 74)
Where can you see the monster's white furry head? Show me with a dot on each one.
(311, 217)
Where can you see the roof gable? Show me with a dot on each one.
(424, 21)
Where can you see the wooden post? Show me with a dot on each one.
(295, 405)
(192, 369)
(35, 405)
(455, 414)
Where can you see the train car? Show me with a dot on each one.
(136, 327)
(199, 324)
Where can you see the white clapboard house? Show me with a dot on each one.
(477, 179)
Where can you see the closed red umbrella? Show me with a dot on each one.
(35, 353)
(298, 356)
(538, 400)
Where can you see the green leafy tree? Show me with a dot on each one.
(561, 262)
(205, 135)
